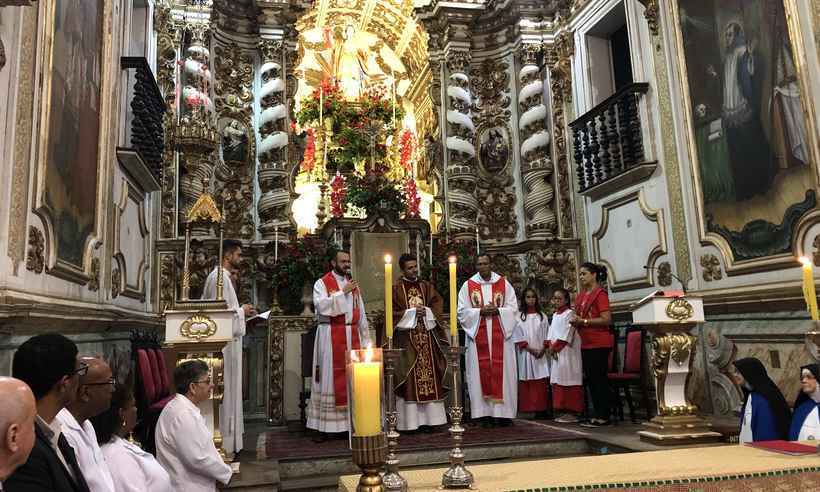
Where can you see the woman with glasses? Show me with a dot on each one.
(132, 469)
(806, 420)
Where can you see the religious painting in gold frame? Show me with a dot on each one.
(750, 128)
(73, 133)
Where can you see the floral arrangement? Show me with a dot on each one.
(406, 144)
(309, 160)
(347, 124)
(375, 193)
(338, 195)
(411, 198)
(439, 273)
(300, 262)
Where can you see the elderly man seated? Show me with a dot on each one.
(185, 446)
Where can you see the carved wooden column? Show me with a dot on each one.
(274, 199)
(536, 165)
(167, 43)
(461, 172)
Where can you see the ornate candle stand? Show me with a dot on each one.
(369, 455)
(457, 476)
(393, 481)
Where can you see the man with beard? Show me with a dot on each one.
(231, 422)
(420, 390)
(342, 326)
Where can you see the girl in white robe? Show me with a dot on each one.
(564, 348)
(533, 367)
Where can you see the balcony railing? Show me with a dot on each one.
(147, 110)
(608, 140)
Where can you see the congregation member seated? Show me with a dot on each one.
(765, 415)
(806, 421)
(185, 446)
(17, 412)
(50, 365)
(93, 398)
(132, 469)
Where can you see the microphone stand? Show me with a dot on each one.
(682, 284)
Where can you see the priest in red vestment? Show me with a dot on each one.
(420, 374)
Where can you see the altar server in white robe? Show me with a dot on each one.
(488, 313)
(533, 366)
(231, 418)
(342, 326)
(185, 445)
(566, 372)
(806, 419)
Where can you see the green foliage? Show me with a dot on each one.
(300, 262)
(374, 193)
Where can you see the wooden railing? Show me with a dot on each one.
(148, 108)
(607, 139)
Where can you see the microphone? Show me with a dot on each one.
(682, 284)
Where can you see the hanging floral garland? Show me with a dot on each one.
(406, 144)
(411, 198)
(338, 195)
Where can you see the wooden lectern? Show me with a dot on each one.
(669, 317)
(200, 328)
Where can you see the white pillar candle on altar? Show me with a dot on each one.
(477, 242)
(276, 244)
(431, 248)
(418, 247)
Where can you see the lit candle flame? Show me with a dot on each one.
(388, 259)
(368, 353)
(452, 259)
(804, 260)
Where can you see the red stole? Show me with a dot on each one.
(338, 339)
(490, 366)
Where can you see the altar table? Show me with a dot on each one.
(728, 468)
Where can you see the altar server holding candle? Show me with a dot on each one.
(342, 326)
(488, 313)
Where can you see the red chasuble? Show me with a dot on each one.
(338, 338)
(490, 366)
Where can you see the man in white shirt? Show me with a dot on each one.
(93, 398)
(487, 311)
(342, 327)
(231, 418)
(185, 446)
(17, 412)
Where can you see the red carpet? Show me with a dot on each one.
(284, 445)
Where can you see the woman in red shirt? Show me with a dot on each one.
(592, 319)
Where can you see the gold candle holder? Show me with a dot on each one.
(369, 454)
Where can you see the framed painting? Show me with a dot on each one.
(750, 127)
(69, 174)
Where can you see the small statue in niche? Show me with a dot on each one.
(494, 151)
(234, 142)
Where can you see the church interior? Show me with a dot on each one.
(673, 145)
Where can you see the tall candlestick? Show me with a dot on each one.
(388, 295)
(431, 249)
(276, 244)
(393, 77)
(418, 247)
(453, 300)
(321, 106)
(477, 242)
(808, 288)
(366, 390)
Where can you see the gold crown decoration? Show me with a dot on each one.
(204, 208)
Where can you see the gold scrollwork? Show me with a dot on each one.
(680, 347)
(198, 327)
(660, 359)
(679, 309)
(678, 410)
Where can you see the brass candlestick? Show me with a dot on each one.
(393, 481)
(369, 453)
(457, 476)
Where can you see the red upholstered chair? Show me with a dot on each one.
(632, 373)
(165, 378)
(146, 376)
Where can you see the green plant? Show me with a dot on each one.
(374, 193)
(300, 262)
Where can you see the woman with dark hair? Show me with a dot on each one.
(806, 420)
(592, 319)
(765, 415)
(533, 368)
(132, 469)
(566, 372)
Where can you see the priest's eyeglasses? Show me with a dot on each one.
(111, 381)
(80, 371)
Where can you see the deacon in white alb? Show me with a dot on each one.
(487, 311)
(231, 423)
(185, 445)
(342, 326)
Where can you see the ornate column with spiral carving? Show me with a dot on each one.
(460, 173)
(274, 199)
(536, 166)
